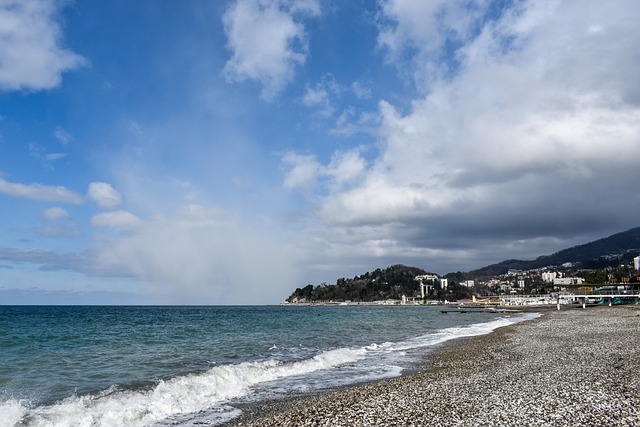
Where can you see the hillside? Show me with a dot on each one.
(391, 282)
(398, 280)
(609, 251)
(381, 284)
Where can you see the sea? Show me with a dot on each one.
(189, 366)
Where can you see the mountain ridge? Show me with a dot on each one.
(397, 280)
(604, 252)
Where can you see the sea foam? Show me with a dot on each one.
(12, 412)
(209, 390)
(180, 395)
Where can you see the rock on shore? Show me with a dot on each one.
(568, 368)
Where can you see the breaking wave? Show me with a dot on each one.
(213, 389)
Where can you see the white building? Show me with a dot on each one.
(425, 288)
(636, 263)
(568, 281)
(549, 276)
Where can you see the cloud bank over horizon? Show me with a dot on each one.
(283, 142)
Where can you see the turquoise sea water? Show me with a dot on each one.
(139, 366)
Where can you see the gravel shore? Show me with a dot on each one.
(572, 367)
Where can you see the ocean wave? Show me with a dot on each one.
(206, 391)
(455, 332)
(13, 411)
(180, 395)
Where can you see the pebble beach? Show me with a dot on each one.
(573, 367)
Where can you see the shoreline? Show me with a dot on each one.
(567, 367)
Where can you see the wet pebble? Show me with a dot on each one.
(567, 368)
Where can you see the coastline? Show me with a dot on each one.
(568, 367)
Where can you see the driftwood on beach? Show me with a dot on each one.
(568, 368)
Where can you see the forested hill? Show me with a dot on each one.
(609, 251)
(398, 280)
(388, 283)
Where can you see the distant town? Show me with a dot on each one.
(568, 283)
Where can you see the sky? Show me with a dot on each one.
(228, 152)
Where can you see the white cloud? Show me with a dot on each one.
(410, 22)
(425, 25)
(302, 170)
(361, 90)
(62, 135)
(104, 195)
(318, 98)
(414, 34)
(305, 173)
(118, 220)
(50, 157)
(198, 213)
(502, 119)
(536, 132)
(350, 123)
(345, 168)
(135, 129)
(44, 193)
(56, 213)
(58, 230)
(266, 41)
(39, 152)
(321, 96)
(31, 55)
(204, 257)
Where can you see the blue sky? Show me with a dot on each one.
(227, 152)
